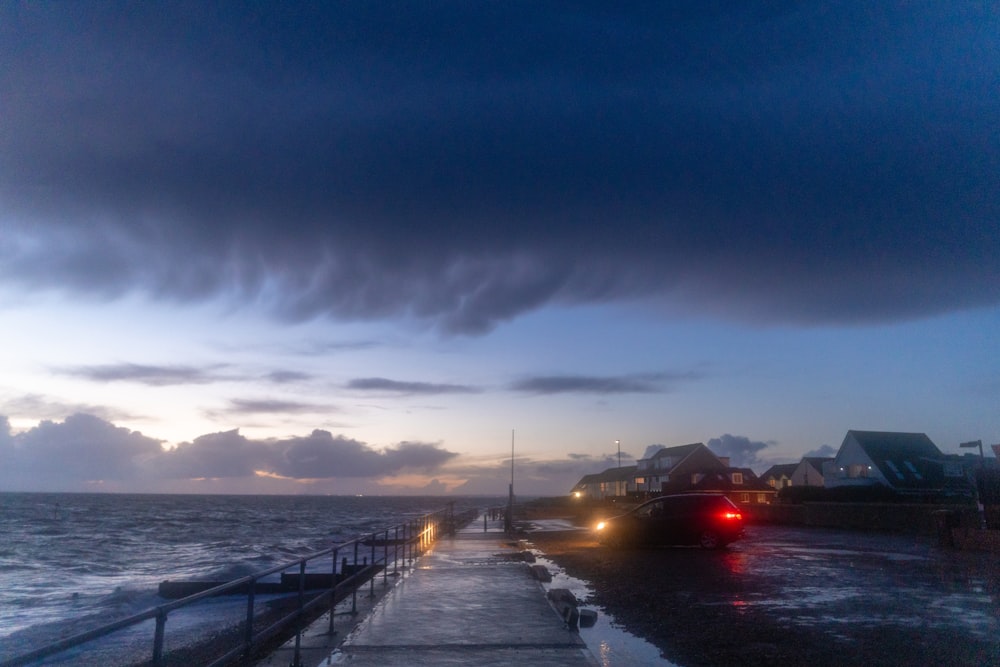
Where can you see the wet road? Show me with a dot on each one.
(798, 596)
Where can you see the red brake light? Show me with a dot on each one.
(732, 516)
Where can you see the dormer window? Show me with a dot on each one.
(892, 466)
(737, 478)
(912, 469)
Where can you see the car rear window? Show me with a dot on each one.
(719, 502)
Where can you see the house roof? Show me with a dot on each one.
(904, 459)
(625, 473)
(586, 480)
(817, 461)
(680, 452)
(779, 470)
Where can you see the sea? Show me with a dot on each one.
(72, 562)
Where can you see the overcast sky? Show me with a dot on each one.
(349, 248)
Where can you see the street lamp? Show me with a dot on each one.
(619, 443)
(967, 445)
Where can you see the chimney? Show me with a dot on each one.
(725, 460)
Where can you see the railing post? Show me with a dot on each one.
(410, 541)
(371, 589)
(297, 656)
(161, 627)
(395, 550)
(385, 560)
(406, 542)
(248, 631)
(354, 591)
(333, 590)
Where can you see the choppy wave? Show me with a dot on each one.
(70, 562)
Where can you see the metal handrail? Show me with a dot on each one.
(417, 535)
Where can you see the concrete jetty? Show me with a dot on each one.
(470, 600)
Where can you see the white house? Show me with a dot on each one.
(904, 462)
(809, 471)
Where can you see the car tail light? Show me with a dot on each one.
(732, 516)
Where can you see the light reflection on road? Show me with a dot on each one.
(610, 645)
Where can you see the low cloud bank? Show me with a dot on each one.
(85, 450)
(741, 450)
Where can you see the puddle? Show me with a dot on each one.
(610, 644)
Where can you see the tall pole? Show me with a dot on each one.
(512, 460)
(618, 484)
(508, 522)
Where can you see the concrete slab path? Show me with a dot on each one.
(470, 600)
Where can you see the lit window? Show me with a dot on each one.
(744, 497)
(737, 478)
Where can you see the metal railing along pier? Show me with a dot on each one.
(361, 560)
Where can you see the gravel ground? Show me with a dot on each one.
(727, 608)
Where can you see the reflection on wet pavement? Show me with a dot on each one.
(824, 596)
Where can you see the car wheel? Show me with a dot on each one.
(709, 539)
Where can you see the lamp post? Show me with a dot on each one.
(975, 479)
(618, 483)
(967, 445)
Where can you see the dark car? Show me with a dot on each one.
(709, 520)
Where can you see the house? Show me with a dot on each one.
(779, 476)
(809, 471)
(908, 463)
(588, 487)
(675, 464)
(611, 483)
(740, 485)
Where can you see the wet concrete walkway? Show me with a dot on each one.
(470, 600)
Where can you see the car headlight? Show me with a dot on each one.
(601, 525)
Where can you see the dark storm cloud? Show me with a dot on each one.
(583, 384)
(400, 387)
(318, 455)
(462, 163)
(156, 376)
(86, 448)
(81, 448)
(741, 450)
